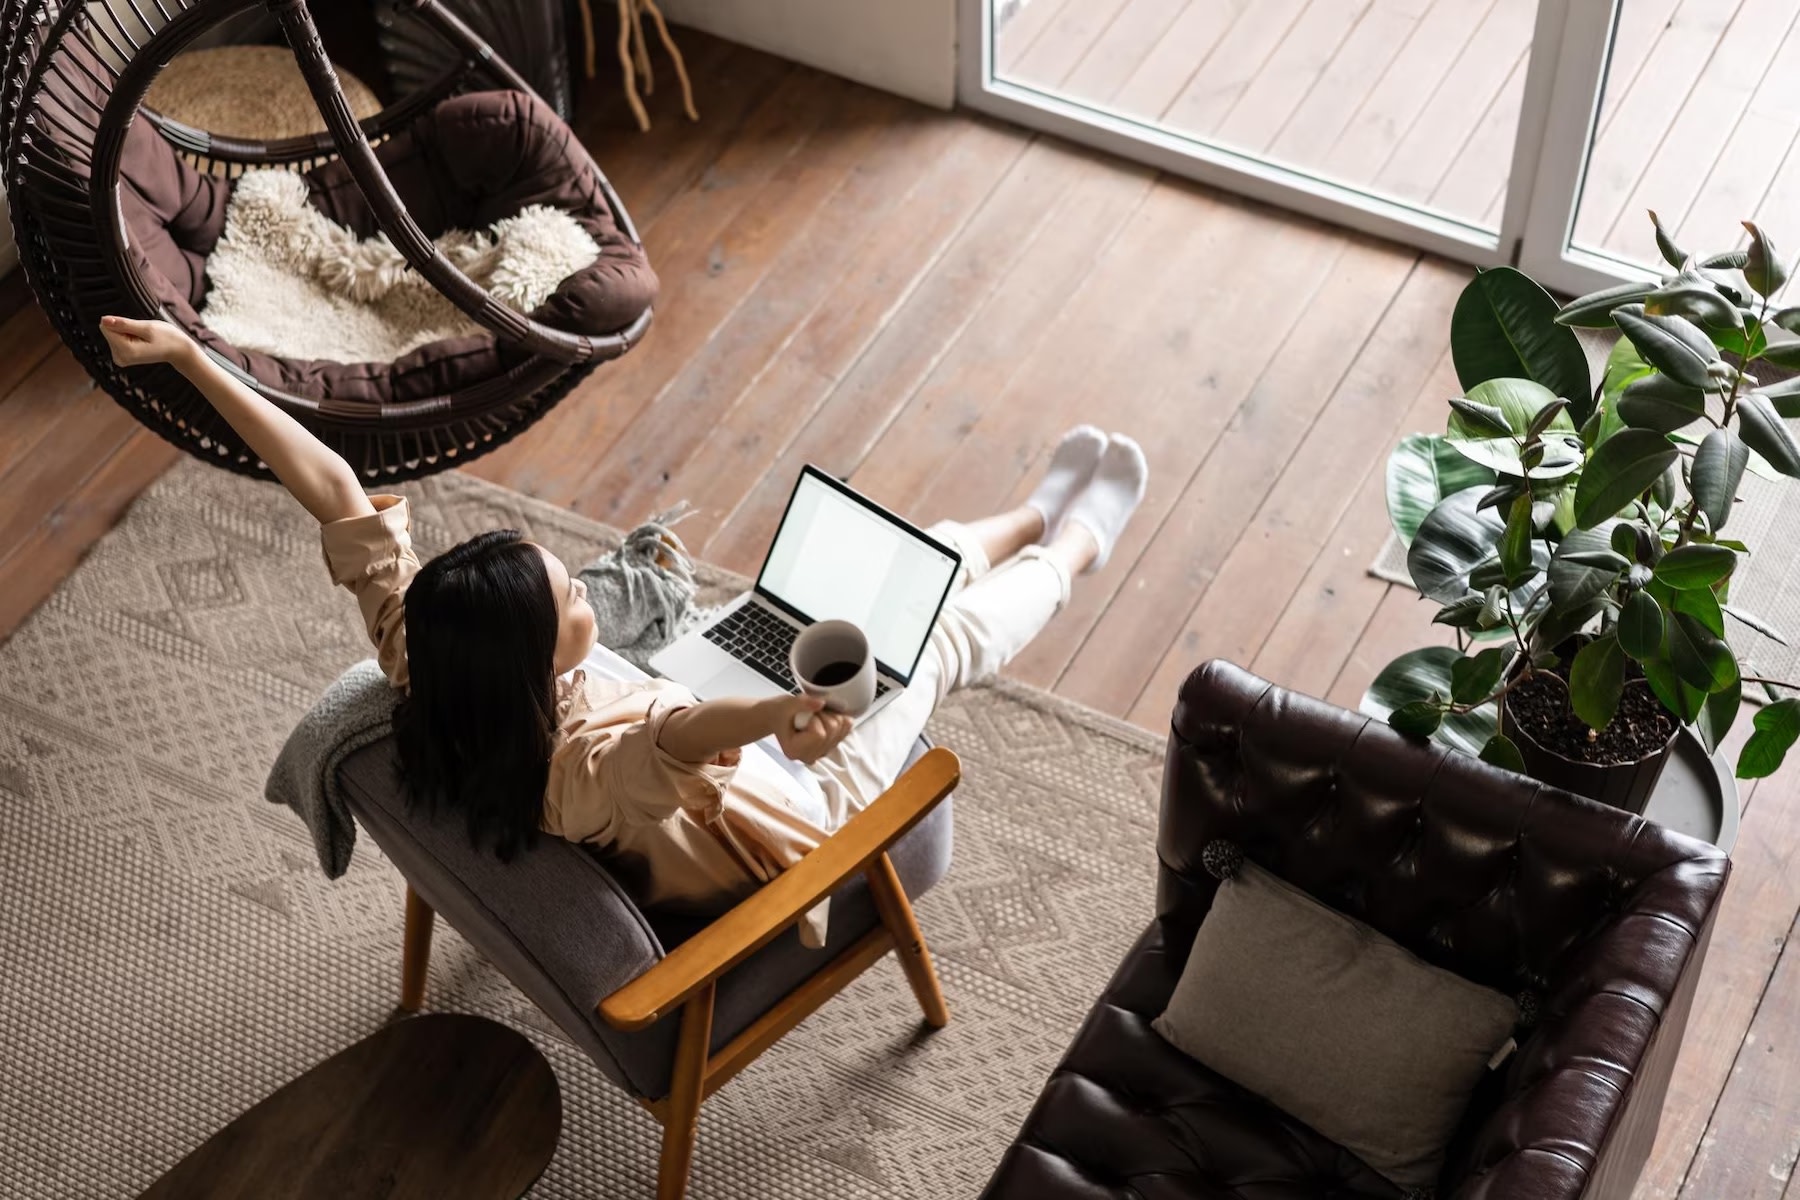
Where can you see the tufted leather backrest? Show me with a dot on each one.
(1600, 915)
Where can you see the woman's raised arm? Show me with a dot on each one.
(323, 482)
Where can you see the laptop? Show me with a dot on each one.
(836, 555)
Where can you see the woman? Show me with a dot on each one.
(516, 719)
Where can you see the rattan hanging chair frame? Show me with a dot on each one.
(75, 80)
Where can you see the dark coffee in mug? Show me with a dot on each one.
(834, 673)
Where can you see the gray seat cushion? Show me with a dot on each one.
(567, 932)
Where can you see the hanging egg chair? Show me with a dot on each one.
(116, 209)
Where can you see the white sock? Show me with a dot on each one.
(1070, 468)
(1111, 495)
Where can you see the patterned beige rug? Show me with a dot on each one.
(172, 953)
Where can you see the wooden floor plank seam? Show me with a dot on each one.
(1745, 110)
(1647, 161)
(1387, 307)
(1293, 23)
(1205, 459)
(1348, 39)
(657, 408)
(1791, 945)
(1497, 96)
(919, 280)
(1621, 228)
(1420, 110)
(799, 328)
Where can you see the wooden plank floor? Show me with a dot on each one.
(1419, 99)
(923, 301)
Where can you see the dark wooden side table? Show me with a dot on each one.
(428, 1107)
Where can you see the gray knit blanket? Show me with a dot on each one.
(642, 595)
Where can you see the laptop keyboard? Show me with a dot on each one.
(756, 636)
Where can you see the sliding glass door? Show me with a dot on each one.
(1488, 130)
(1686, 108)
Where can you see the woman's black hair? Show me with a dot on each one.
(476, 732)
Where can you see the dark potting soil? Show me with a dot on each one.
(1540, 707)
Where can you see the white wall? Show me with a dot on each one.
(902, 46)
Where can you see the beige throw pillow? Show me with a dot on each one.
(1334, 1023)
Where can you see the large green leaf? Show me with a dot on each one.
(1503, 752)
(1745, 342)
(1717, 715)
(1784, 394)
(1558, 625)
(1672, 254)
(1700, 658)
(1419, 674)
(1516, 543)
(1475, 678)
(1777, 728)
(1624, 366)
(1684, 701)
(1692, 295)
(1698, 603)
(1521, 404)
(1658, 402)
(1673, 345)
(1423, 469)
(1717, 470)
(1455, 539)
(1695, 566)
(1418, 719)
(1624, 465)
(1505, 326)
(1763, 268)
(1578, 573)
(1596, 681)
(1785, 353)
(1594, 310)
(1766, 433)
(1640, 626)
(1475, 419)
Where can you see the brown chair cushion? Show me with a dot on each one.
(1332, 1022)
(464, 164)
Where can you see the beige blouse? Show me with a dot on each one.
(694, 836)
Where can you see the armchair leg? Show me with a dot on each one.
(687, 1088)
(417, 951)
(909, 943)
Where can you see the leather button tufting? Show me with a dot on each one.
(1127, 1117)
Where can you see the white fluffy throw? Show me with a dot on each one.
(288, 281)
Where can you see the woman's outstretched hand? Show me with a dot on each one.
(823, 731)
(312, 471)
(139, 343)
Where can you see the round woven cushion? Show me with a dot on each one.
(248, 92)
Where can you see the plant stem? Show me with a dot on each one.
(1509, 685)
(1512, 623)
(1780, 683)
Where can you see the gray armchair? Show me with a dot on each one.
(669, 1008)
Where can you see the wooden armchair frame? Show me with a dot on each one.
(687, 977)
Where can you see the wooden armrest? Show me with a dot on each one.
(756, 919)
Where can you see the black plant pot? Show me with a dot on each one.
(1622, 785)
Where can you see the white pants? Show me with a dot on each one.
(991, 615)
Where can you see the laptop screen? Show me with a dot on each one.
(838, 556)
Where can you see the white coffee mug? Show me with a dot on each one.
(831, 660)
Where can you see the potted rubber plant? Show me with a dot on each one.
(1576, 535)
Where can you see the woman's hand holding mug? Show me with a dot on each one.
(832, 662)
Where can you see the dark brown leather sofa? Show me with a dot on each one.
(1600, 918)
